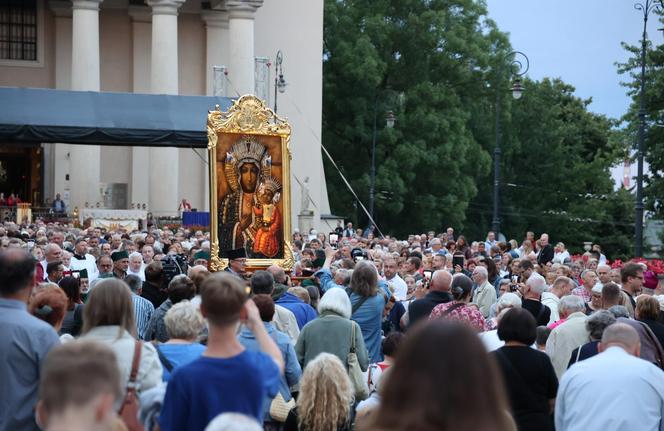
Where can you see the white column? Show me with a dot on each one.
(217, 54)
(84, 160)
(216, 35)
(241, 44)
(164, 169)
(56, 163)
(142, 38)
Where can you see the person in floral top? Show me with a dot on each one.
(460, 308)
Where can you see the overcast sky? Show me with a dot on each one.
(578, 41)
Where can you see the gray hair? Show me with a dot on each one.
(619, 311)
(598, 322)
(537, 283)
(508, 300)
(233, 422)
(134, 282)
(585, 272)
(345, 273)
(570, 304)
(482, 270)
(336, 300)
(183, 320)
(135, 254)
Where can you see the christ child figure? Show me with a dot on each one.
(268, 218)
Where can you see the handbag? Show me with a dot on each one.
(279, 408)
(130, 405)
(354, 370)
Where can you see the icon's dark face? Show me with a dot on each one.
(248, 177)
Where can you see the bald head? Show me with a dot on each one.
(441, 281)
(623, 336)
(278, 273)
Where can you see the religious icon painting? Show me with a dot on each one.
(249, 157)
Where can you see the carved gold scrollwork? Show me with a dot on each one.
(248, 115)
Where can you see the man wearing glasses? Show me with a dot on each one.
(632, 280)
(237, 262)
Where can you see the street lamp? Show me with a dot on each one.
(279, 81)
(390, 119)
(646, 7)
(518, 66)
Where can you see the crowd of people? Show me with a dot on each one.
(130, 330)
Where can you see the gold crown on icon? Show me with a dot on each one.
(271, 184)
(248, 150)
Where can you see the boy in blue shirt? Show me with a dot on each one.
(227, 378)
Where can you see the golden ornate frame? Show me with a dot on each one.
(249, 116)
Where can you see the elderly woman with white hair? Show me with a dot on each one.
(183, 324)
(332, 332)
(507, 301)
(136, 265)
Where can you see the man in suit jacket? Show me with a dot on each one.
(546, 253)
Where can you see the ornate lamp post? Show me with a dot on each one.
(279, 81)
(518, 66)
(390, 119)
(645, 7)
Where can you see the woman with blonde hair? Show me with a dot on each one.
(326, 396)
(108, 318)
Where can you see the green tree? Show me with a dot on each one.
(555, 172)
(654, 110)
(421, 59)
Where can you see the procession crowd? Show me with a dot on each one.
(116, 330)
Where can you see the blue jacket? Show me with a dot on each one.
(303, 312)
(292, 369)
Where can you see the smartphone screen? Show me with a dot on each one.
(427, 274)
(457, 260)
(334, 239)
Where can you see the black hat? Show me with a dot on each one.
(238, 253)
(119, 255)
(83, 273)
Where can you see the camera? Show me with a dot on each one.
(172, 265)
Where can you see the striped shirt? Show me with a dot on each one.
(143, 310)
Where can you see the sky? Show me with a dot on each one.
(579, 42)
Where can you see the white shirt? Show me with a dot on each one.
(491, 341)
(560, 257)
(140, 274)
(551, 300)
(611, 391)
(400, 287)
(89, 264)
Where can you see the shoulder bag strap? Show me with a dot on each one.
(164, 360)
(138, 345)
(451, 309)
(352, 341)
(358, 304)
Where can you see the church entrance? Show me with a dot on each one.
(21, 172)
